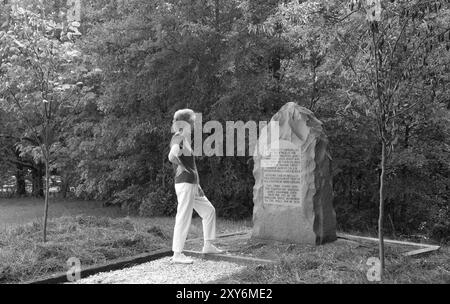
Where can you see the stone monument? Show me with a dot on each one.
(293, 191)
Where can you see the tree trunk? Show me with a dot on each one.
(20, 175)
(378, 63)
(38, 185)
(64, 186)
(20, 181)
(381, 215)
(47, 169)
(47, 188)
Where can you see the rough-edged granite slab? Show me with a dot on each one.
(293, 200)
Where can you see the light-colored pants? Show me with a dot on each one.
(189, 199)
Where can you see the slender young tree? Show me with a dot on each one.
(394, 50)
(41, 69)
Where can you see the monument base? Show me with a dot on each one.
(289, 225)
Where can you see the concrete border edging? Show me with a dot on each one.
(117, 264)
(228, 258)
(423, 248)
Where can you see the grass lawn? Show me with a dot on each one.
(24, 210)
(338, 262)
(84, 230)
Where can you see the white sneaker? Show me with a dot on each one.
(211, 249)
(182, 259)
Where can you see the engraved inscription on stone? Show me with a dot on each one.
(282, 181)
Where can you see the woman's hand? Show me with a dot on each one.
(181, 169)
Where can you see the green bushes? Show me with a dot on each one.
(228, 184)
(441, 231)
(158, 203)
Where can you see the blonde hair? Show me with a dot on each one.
(186, 115)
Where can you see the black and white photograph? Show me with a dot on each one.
(221, 148)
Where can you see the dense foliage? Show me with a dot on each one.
(237, 60)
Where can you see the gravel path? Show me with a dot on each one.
(162, 271)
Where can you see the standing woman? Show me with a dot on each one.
(189, 193)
